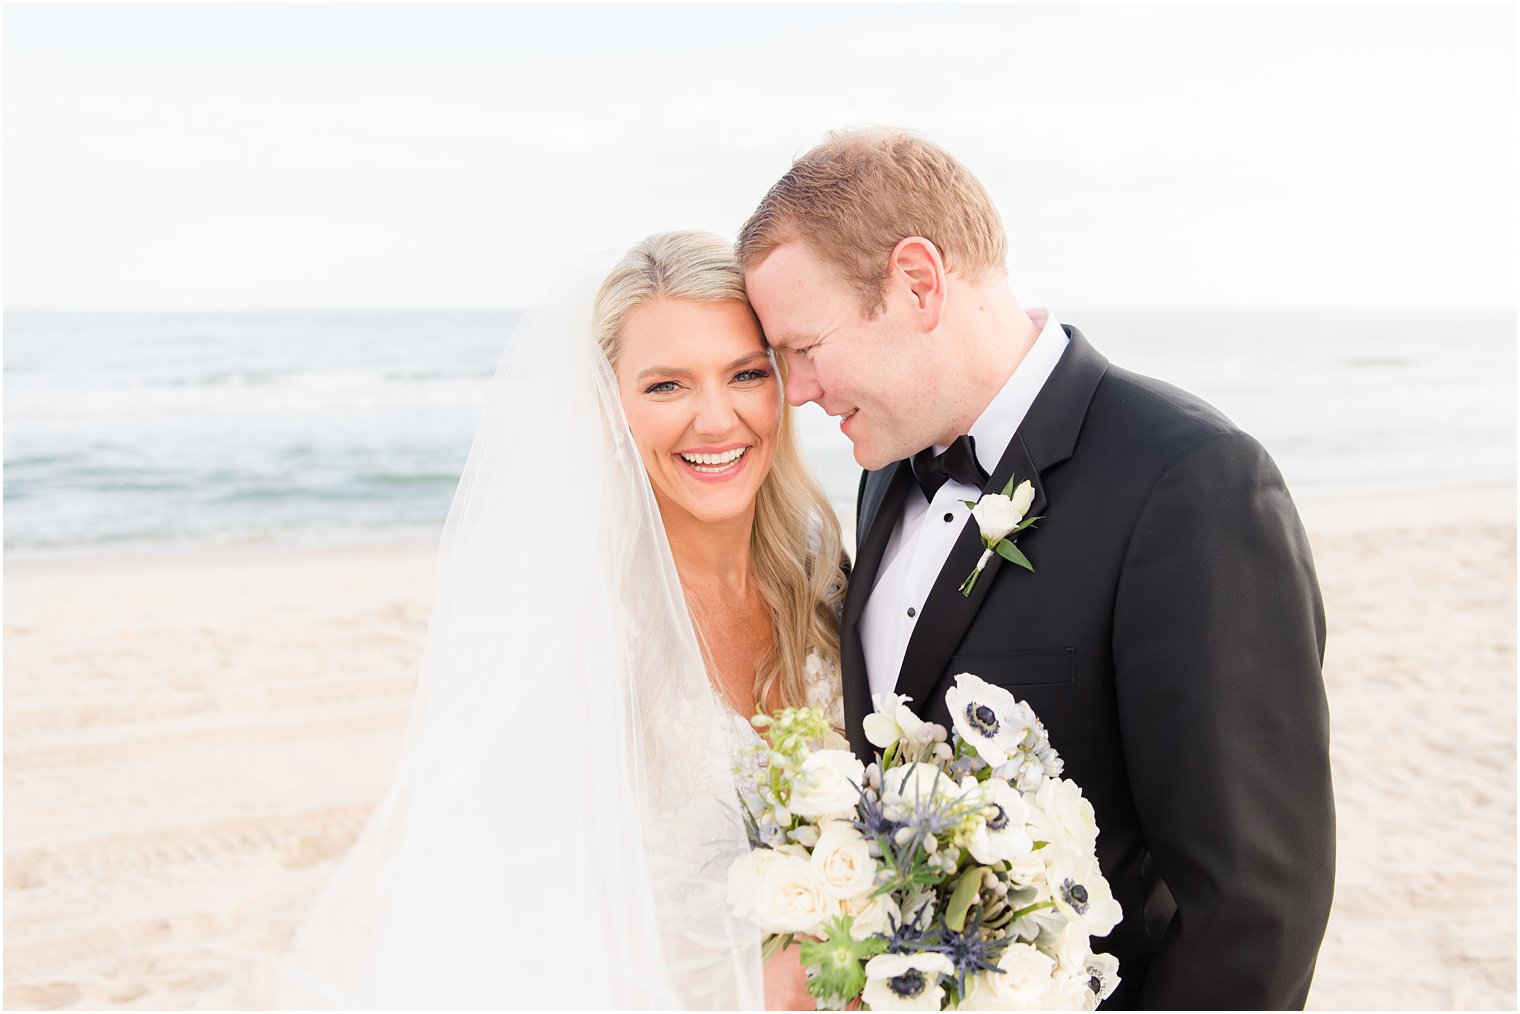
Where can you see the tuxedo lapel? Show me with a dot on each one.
(947, 613)
(1047, 437)
(880, 509)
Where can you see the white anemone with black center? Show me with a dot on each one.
(987, 717)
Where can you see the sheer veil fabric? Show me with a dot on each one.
(560, 825)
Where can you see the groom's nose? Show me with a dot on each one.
(801, 384)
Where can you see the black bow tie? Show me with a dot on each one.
(958, 463)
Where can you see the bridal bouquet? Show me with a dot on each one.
(955, 875)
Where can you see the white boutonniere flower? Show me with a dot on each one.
(1000, 515)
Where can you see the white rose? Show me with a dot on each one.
(906, 981)
(872, 915)
(744, 876)
(826, 786)
(1027, 982)
(790, 898)
(1061, 816)
(894, 720)
(997, 515)
(843, 861)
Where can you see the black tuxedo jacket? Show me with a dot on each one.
(1171, 639)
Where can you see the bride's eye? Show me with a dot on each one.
(663, 387)
(748, 376)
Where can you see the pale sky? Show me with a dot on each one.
(386, 157)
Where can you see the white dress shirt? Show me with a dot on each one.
(927, 530)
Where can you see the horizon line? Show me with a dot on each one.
(1093, 308)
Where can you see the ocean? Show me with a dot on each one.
(131, 432)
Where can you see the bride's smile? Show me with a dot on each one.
(714, 464)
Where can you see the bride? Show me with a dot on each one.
(636, 559)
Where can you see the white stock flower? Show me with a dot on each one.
(894, 720)
(1060, 815)
(790, 898)
(987, 717)
(906, 981)
(997, 515)
(1083, 895)
(872, 915)
(1027, 982)
(826, 786)
(843, 861)
(998, 829)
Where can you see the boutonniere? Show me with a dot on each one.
(1000, 515)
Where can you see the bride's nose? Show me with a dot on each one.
(716, 415)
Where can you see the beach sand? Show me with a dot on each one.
(191, 742)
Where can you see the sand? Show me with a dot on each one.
(191, 741)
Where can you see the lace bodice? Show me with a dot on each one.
(825, 691)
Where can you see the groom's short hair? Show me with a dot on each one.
(854, 197)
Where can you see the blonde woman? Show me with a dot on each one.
(636, 560)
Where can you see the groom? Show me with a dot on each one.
(1171, 633)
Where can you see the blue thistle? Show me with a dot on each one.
(912, 937)
(871, 818)
(968, 951)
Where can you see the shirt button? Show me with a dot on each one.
(912, 612)
(949, 517)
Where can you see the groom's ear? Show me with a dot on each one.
(918, 271)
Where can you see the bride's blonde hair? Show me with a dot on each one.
(795, 545)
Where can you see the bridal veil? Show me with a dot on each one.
(559, 828)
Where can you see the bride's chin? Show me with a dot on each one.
(717, 506)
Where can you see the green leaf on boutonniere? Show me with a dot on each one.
(1008, 486)
(1011, 553)
(969, 505)
(1024, 524)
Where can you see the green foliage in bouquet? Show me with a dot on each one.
(839, 960)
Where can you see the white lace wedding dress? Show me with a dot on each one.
(825, 691)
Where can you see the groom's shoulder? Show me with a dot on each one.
(1131, 397)
(1156, 421)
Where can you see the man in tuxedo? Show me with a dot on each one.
(1171, 634)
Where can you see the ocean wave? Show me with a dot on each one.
(293, 393)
